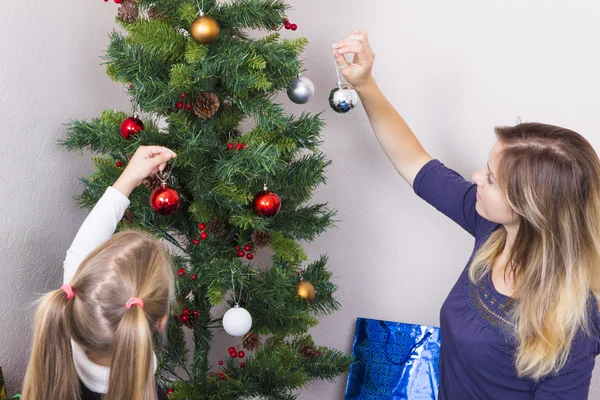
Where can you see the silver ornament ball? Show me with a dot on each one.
(301, 90)
(343, 98)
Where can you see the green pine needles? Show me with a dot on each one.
(157, 60)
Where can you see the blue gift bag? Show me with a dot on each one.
(393, 360)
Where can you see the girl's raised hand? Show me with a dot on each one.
(146, 161)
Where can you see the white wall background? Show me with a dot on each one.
(453, 70)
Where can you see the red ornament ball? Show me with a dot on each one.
(164, 200)
(241, 254)
(184, 318)
(221, 362)
(242, 365)
(183, 95)
(204, 236)
(266, 203)
(241, 354)
(186, 310)
(194, 277)
(231, 350)
(181, 272)
(130, 127)
(187, 107)
(179, 105)
(247, 247)
(118, 1)
(202, 226)
(237, 248)
(195, 241)
(120, 163)
(230, 146)
(239, 146)
(196, 313)
(294, 27)
(288, 25)
(249, 256)
(170, 390)
(233, 355)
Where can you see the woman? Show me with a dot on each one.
(522, 321)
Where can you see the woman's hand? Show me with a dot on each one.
(358, 73)
(146, 161)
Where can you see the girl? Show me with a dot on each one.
(522, 321)
(93, 336)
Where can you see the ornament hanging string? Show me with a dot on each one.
(161, 174)
(200, 9)
(233, 289)
(337, 71)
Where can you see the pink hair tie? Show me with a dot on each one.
(134, 301)
(68, 289)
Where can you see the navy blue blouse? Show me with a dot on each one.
(477, 351)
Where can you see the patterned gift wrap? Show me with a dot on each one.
(394, 360)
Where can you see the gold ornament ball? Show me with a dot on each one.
(205, 29)
(306, 290)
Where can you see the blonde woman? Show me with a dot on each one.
(522, 321)
(93, 336)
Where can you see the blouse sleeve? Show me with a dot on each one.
(98, 227)
(450, 193)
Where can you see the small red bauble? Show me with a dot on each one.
(118, 1)
(131, 126)
(170, 390)
(187, 107)
(287, 25)
(180, 302)
(266, 203)
(247, 247)
(196, 313)
(230, 146)
(220, 362)
(183, 95)
(202, 226)
(222, 375)
(244, 145)
(179, 105)
(249, 256)
(186, 310)
(195, 241)
(194, 277)
(231, 350)
(241, 254)
(120, 163)
(294, 27)
(237, 248)
(164, 200)
(242, 365)
(181, 272)
(184, 318)
(204, 236)
(233, 355)
(241, 354)
(239, 146)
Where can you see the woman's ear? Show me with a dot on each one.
(162, 323)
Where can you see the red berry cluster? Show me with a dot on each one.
(203, 235)
(246, 251)
(182, 104)
(289, 26)
(189, 317)
(237, 146)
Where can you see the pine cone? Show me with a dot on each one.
(155, 13)
(261, 239)
(251, 342)
(128, 11)
(152, 182)
(127, 217)
(206, 105)
(308, 352)
(216, 228)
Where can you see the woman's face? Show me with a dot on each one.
(491, 203)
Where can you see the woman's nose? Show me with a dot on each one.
(477, 177)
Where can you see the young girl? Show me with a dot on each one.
(522, 321)
(93, 336)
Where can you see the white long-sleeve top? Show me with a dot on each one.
(97, 228)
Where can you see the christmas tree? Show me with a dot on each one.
(198, 73)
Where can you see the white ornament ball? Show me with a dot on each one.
(237, 321)
(301, 90)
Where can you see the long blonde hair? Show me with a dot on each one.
(550, 177)
(130, 264)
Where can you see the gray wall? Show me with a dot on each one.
(454, 70)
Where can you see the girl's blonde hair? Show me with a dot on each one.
(130, 264)
(550, 177)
